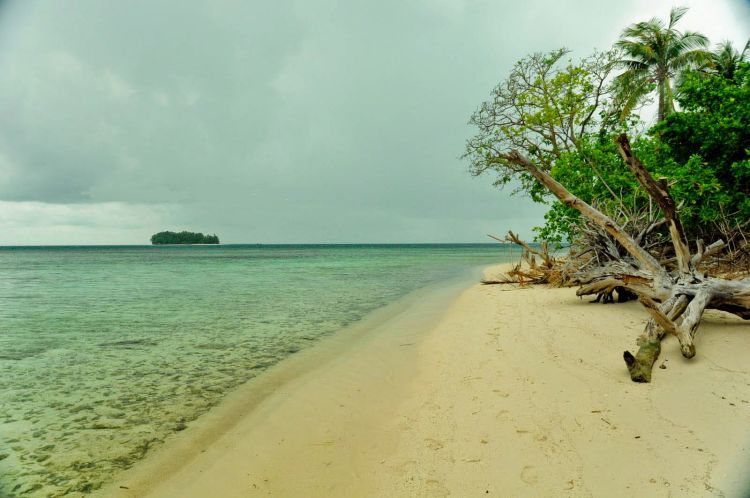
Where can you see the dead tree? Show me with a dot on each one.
(545, 272)
(675, 295)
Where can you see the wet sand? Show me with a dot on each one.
(493, 391)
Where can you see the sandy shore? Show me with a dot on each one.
(491, 392)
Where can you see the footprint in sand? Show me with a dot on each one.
(503, 415)
(435, 488)
(529, 475)
(434, 444)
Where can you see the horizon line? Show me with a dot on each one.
(2, 246)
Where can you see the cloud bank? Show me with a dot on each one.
(290, 121)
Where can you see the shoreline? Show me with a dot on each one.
(401, 321)
(494, 390)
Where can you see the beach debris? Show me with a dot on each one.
(548, 272)
(671, 281)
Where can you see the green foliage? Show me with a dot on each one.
(183, 238)
(706, 148)
(559, 223)
(542, 109)
(715, 120)
(654, 53)
(725, 59)
(596, 174)
(561, 117)
(704, 152)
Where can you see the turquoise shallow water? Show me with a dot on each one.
(105, 351)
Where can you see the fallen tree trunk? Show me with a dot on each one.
(675, 297)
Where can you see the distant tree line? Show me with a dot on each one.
(183, 238)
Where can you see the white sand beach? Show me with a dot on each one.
(492, 391)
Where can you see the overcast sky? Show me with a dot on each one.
(283, 121)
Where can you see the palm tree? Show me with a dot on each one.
(725, 59)
(654, 54)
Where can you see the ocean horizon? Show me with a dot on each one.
(261, 244)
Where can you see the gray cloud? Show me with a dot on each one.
(273, 122)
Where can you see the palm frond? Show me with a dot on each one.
(655, 51)
(632, 96)
(689, 59)
(632, 64)
(630, 89)
(675, 15)
(637, 50)
(690, 40)
(725, 59)
(643, 28)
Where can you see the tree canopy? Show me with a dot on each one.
(637, 211)
(653, 55)
(183, 237)
(545, 108)
(564, 116)
(725, 59)
(707, 147)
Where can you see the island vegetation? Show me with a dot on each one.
(634, 197)
(183, 237)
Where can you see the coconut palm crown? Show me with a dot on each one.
(725, 60)
(653, 55)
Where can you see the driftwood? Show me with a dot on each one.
(545, 272)
(674, 291)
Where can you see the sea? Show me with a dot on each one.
(107, 351)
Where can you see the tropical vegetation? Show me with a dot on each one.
(635, 195)
(183, 237)
(564, 115)
(653, 55)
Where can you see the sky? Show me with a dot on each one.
(290, 121)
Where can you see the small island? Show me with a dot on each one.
(183, 237)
